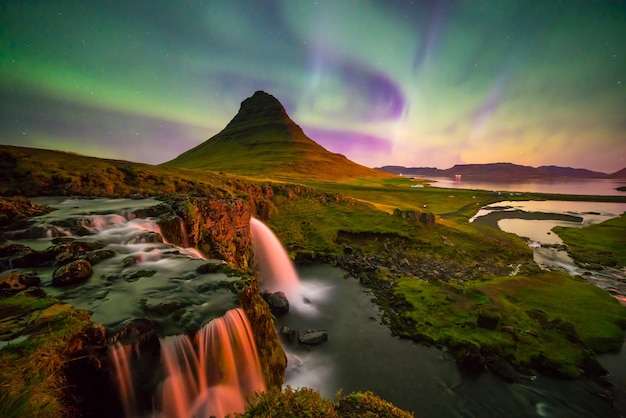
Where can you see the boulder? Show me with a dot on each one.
(500, 367)
(219, 228)
(469, 358)
(75, 272)
(312, 337)
(288, 332)
(16, 281)
(278, 302)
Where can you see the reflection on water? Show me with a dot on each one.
(592, 187)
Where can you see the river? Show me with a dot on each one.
(361, 354)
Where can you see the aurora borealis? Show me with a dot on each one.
(415, 83)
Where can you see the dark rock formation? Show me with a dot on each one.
(500, 367)
(277, 302)
(218, 228)
(75, 272)
(19, 208)
(16, 281)
(288, 332)
(271, 355)
(469, 357)
(426, 218)
(312, 337)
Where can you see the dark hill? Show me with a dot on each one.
(501, 172)
(571, 172)
(495, 171)
(262, 141)
(621, 174)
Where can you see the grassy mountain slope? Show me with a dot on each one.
(262, 140)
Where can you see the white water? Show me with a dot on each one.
(276, 270)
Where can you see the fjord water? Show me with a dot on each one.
(589, 187)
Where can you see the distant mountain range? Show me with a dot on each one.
(262, 140)
(501, 172)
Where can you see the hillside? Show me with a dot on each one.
(263, 139)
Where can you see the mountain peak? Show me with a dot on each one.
(259, 109)
(261, 140)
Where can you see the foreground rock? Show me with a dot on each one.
(277, 301)
(16, 281)
(75, 272)
(312, 337)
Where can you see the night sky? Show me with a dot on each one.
(415, 83)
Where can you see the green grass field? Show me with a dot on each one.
(601, 244)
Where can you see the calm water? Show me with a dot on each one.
(362, 355)
(603, 187)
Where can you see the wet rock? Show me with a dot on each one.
(212, 267)
(277, 301)
(173, 229)
(15, 256)
(97, 256)
(133, 276)
(16, 281)
(312, 337)
(146, 238)
(13, 209)
(131, 260)
(500, 367)
(288, 332)
(469, 358)
(31, 258)
(43, 318)
(10, 250)
(75, 272)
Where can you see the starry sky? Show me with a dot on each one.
(417, 83)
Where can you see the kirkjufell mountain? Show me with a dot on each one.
(263, 140)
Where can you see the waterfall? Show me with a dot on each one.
(276, 269)
(208, 375)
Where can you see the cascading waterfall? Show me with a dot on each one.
(276, 269)
(121, 356)
(210, 374)
(214, 375)
(143, 286)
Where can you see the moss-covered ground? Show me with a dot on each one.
(32, 371)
